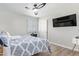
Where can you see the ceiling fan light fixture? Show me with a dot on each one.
(35, 7)
(35, 12)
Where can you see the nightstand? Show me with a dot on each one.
(1, 51)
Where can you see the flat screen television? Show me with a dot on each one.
(65, 21)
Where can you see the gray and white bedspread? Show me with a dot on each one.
(27, 46)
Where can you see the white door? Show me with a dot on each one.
(43, 28)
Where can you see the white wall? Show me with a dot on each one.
(13, 22)
(16, 23)
(63, 35)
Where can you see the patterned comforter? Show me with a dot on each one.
(28, 45)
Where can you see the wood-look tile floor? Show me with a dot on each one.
(59, 51)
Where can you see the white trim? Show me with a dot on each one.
(70, 48)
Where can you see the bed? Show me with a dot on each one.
(24, 45)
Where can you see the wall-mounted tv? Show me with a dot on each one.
(65, 21)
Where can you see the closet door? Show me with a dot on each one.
(43, 28)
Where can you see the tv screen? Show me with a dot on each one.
(65, 21)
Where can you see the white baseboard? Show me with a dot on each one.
(63, 46)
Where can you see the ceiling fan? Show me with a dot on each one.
(35, 7)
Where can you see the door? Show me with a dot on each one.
(43, 28)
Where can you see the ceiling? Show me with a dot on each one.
(50, 9)
(20, 8)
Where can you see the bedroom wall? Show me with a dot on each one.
(62, 36)
(14, 23)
